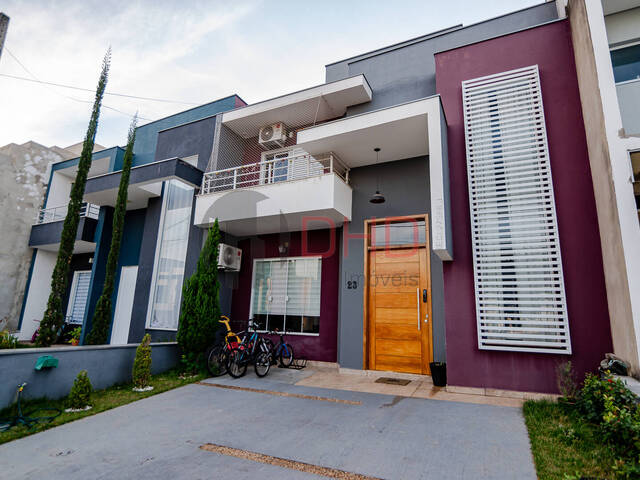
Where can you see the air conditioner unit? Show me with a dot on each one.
(273, 136)
(229, 258)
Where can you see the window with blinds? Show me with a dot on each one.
(285, 294)
(519, 285)
(78, 297)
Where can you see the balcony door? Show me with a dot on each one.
(285, 165)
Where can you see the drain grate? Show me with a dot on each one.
(393, 381)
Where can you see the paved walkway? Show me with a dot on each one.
(380, 436)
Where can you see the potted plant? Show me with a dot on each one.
(438, 373)
(75, 336)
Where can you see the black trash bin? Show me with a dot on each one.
(439, 373)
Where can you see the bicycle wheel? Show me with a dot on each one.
(217, 361)
(286, 355)
(237, 364)
(262, 364)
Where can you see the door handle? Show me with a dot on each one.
(418, 298)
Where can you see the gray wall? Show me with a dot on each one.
(145, 271)
(107, 365)
(406, 71)
(405, 185)
(195, 138)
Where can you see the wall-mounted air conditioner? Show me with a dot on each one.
(273, 136)
(229, 258)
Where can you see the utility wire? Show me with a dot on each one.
(16, 77)
(45, 84)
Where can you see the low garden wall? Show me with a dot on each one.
(107, 365)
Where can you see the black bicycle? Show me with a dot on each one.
(282, 352)
(253, 349)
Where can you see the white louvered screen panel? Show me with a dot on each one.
(520, 297)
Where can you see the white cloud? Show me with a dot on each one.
(194, 51)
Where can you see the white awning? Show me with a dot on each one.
(315, 104)
(404, 131)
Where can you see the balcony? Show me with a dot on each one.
(290, 191)
(57, 214)
(47, 229)
(629, 100)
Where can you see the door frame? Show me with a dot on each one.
(368, 248)
(118, 302)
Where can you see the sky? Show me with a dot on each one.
(189, 53)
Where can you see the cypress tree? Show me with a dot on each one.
(53, 317)
(200, 310)
(102, 315)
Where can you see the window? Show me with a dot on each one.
(398, 233)
(626, 63)
(78, 296)
(519, 285)
(291, 164)
(285, 294)
(171, 252)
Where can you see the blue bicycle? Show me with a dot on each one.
(283, 352)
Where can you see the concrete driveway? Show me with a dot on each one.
(378, 436)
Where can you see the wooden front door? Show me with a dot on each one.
(399, 333)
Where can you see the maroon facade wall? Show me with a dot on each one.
(324, 346)
(548, 46)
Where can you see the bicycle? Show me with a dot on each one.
(253, 349)
(218, 354)
(283, 351)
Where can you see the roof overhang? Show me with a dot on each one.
(315, 104)
(145, 182)
(99, 166)
(403, 131)
(400, 132)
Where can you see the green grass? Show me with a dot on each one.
(564, 445)
(101, 400)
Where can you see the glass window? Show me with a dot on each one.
(173, 236)
(286, 294)
(401, 233)
(626, 63)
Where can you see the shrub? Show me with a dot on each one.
(566, 380)
(591, 401)
(75, 335)
(8, 340)
(200, 310)
(142, 364)
(80, 393)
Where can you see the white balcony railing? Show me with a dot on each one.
(284, 169)
(57, 214)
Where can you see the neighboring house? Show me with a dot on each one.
(159, 180)
(485, 252)
(23, 181)
(606, 39)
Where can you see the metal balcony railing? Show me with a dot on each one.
(282, 168)
(57, 214)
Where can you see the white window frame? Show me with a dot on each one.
(283, 259)
(72, 294)
(156, 260)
